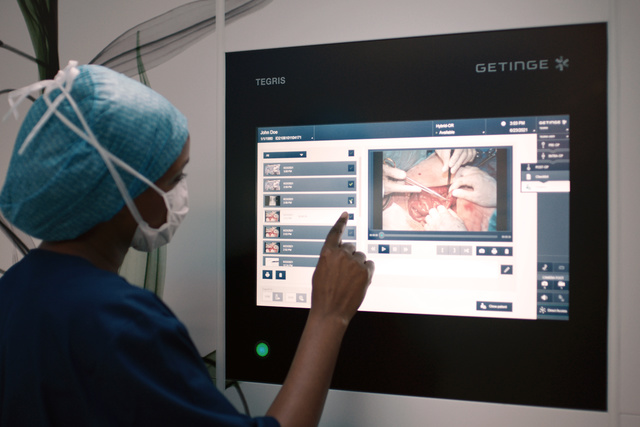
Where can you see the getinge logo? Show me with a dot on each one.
(270, 81)
(562, 64)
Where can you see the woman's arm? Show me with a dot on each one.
(340, 283)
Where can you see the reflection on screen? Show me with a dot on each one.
(453, 213)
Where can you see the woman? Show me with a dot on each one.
(98, 167)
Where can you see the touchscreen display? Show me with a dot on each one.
(474, 171)
(486, 237)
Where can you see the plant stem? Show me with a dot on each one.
(21, 53)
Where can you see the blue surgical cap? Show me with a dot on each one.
(59, 187)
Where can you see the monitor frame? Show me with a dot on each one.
(528, 362)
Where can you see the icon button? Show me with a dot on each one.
(545, 284)
(494, 306)
(545, 266)
(442, 250)
(544, 297)
(561, 297)
(494, 251)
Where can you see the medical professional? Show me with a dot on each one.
(98, 166)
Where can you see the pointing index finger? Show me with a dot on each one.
(335, 234)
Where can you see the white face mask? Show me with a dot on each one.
(146, 238)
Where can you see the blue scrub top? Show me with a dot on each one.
(81, 346)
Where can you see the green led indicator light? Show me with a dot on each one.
(262, 349)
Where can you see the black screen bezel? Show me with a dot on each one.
(530, 362)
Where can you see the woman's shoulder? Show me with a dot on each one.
(70, 284)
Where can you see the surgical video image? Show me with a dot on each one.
(272, 185)
(271, 216)
(441, 190)
(272, 169)
(272, 232)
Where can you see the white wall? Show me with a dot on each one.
(190, 81)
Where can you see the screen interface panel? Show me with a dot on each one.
(486, 237)
(491, 282)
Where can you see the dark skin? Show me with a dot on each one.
(340, 283)
(106, 244)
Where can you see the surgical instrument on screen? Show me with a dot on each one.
(425, 188)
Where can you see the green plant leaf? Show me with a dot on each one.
(21, 53)
(141, 71)
(161, 38)
(41, 17)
